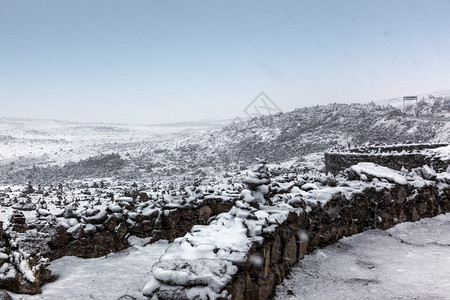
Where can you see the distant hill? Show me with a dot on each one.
(40, 151)
(318, 128)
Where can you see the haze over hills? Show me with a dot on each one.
(48, 150)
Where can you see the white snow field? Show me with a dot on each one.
(49, 142)
(408, 261)
(109, 277)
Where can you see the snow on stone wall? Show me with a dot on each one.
(201, 265)
(395, 157)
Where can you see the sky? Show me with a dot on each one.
(165, 61)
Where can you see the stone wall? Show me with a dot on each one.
(302, 233)
(97, 237)
(395, 148)
(12, 263)
(394, 157)
(110, 233)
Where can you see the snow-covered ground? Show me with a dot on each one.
(49, 142)
(409, 261)
(109, 277)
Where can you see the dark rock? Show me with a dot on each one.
(16, 283)
(121, 230)
(17, 222)
(388, 157)
(58, 236)
(204, 214)
(276, 249)
(33, 242)
(222, 207)
(290, 252)
(141, 228)
(103, 244)
(98, 218)
(143, 197)
(265, 286)
(170, 218)
(27, 206)
(189, 214)
(76, 232)
(126, 297)
(110, 223)
(17, 217)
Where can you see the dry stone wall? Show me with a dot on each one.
(302, 233)
(269, 239)
(394, 157)
(98, 236)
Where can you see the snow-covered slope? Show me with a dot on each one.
(313, 129)
(408, 261)
(47, 150)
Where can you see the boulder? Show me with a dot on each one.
(204, 214)
(58, 236)
(17, 217)
(76, 231)
(18, 221)
(98, 218)
(121, 230)
(428, 173)
(110, 223)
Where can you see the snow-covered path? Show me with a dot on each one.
(409, 261)
(109, 277)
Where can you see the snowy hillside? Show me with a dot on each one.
(49, 151)
(52, 151)
(315, 129)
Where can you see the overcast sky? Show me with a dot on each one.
(169, 61)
